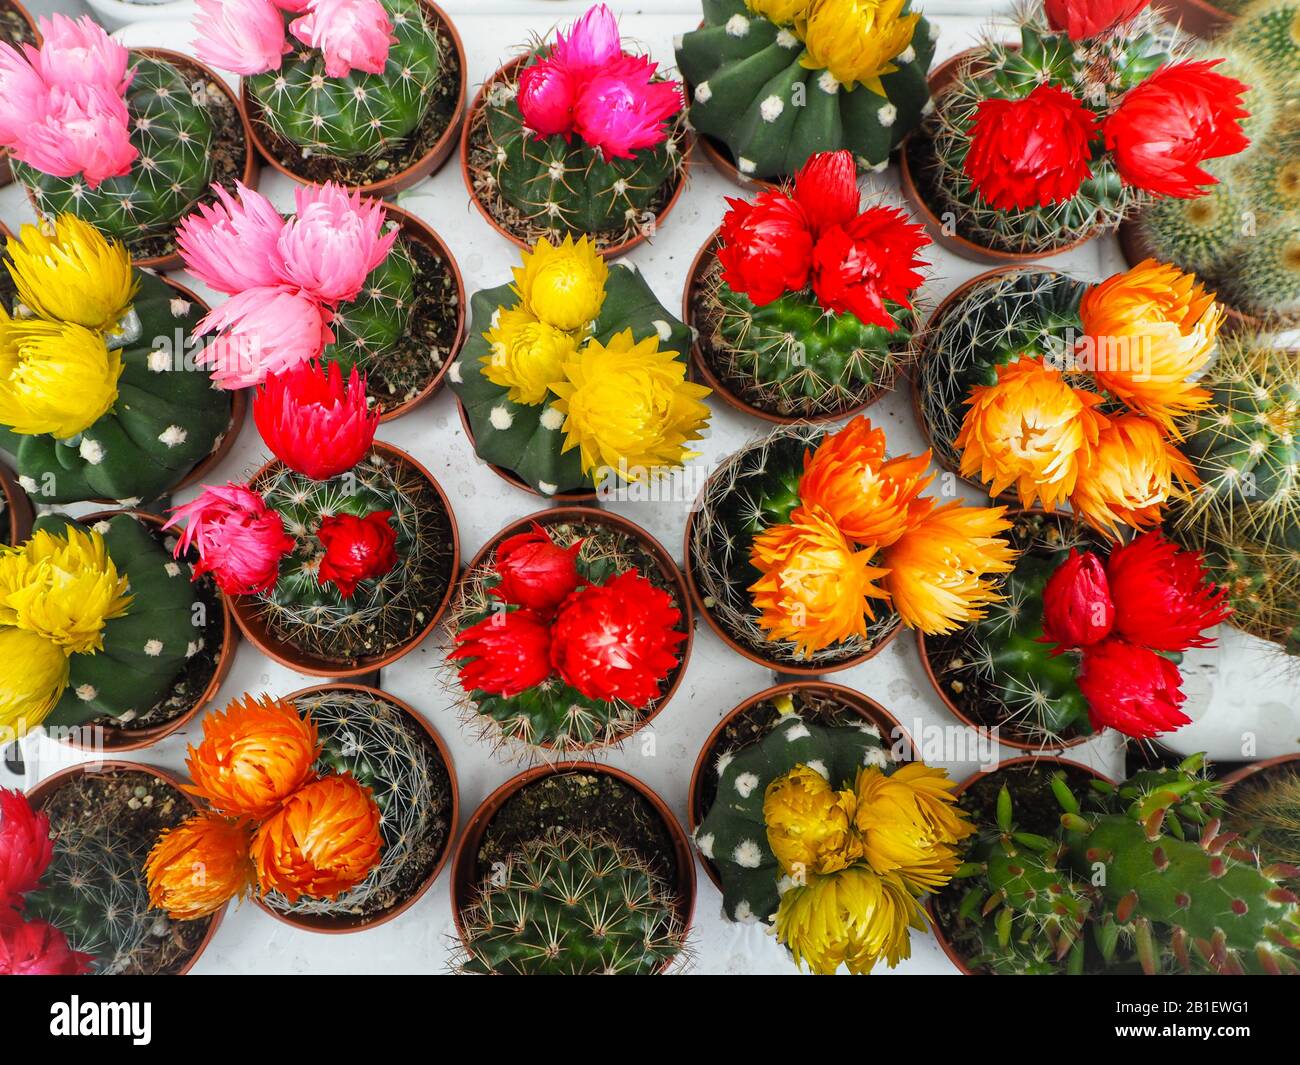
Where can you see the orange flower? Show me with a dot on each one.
(252, 756)
(1029, 429)
(938, 572)
(1130, 475)
(872, 499)
(815, 589)
(197, 867)
(322, 841)
(1149, 329)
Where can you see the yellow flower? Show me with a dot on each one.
(857, 39)
(629, 407)
(564, 285)
(815, 589)
(33, 674)
(809, 824)
(938, 573)
(1150, 329)
(527, 356)
(77, 275)
(782, 12)
(56, 379)
(63, 588)
(854, 917)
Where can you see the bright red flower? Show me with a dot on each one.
(504, 654)
(767, 247)
(1077, 607)
(240, 540)
(25, 847)
(826, 187)
(872, 261)
(356, 549)
(617, 641)
(1163, 597)
(313, 422)
(1169, 124)
(37, 948)
(1030, 152)
(1087, 18)
(535, 572)
(1131, 689)
(546, 97)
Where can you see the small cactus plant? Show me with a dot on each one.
(1264, 809)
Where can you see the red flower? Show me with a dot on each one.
(1165, 127)
(240, 540)
(873, 260)
(766, 247)
(356, 549)
(545, 97)
(1077, 607)
(1131, 689)
(1087, 18)
(535, 572)
(504, 654)
(617, 640)
(25, 848)
(1030, 152)
(827, 189)
(37, 948)
(313, 422)
(1163, 597)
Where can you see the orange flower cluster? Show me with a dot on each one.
(1147, 331)
(272, 822)
(862, 532)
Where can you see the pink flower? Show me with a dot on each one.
(81, 52)
(267, 331)
(240, 540)
(231, 244)
(23, 94)
(353, 35)
(334, 242)
(84, 130)
(622, 110)
(294, 7)
(242, 36)
(546, 95)
(592, 44)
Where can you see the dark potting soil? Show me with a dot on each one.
(13, 27)
(135, 808)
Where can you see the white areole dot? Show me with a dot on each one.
(748, 854)
(91, 450)
(501, 418)
(746, 783)
(771, 108)
(551, 418)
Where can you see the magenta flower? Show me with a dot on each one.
(546, 97)
(230, 245)
(623, 109)
(264, 330)
(242, 36)
(23, 96)
(352, 34)
(334, 242)
(592, 44)
(84, 129)
(240, 540)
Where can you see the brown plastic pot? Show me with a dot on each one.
(1238, 775)
(866, 708)
(465, 872)
(343, 924)
(471, 119)
(39, 793)
(255, 630)
(426, 165)
(941, 77)
(585, 495)
(720, 157)
(1196, 16)
(19, 513)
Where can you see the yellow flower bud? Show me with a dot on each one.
(782, 12)
(809, 824)
(856, 40)
(33, 674)
(564, 285)
(77, 275)
(527, 356)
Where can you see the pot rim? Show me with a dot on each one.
(19, 513)
(1247, 771)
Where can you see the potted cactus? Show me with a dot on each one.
(106, 401)
(1034, 147)
(573, 379)
(16, 29)
(577, 138)
(347, 279)
(774, 81)
(573, 869)
(365, 93)
(16, 511)
(571, 630)
(801, 302)
(1263, 806)
(807, 550)
(340, 555)
(73, 896)
(1201, 16)
(1068, 874)
(127, 141)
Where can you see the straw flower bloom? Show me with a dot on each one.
(856, 39)
(55, 378)
(810, 824)
(562, 285)
(197, 867)
(75, 275)
(527, 355)
(33, 675)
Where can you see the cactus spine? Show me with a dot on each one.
(372, 324)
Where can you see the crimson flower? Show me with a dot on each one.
(617, 640)
(1030, 152)
(1165, 127)
(872, 261)
(1077, 607)
(546, 97)
(1087, 18)
(356, 549)
(37, 948)
(25, 847)
(826, 187)
(1163, 597)
(535, 572)
(1131, 689)
(313, 422)
(240, 540)
(504, 654)
(766, 247)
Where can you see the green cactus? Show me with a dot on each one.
(1269, 31)
(572, 904)
(1264, 809)
(751, 91)
(372, 324)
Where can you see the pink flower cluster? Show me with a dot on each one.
(587, 85)
(63, 105)
(285, 277)
(248, 36)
